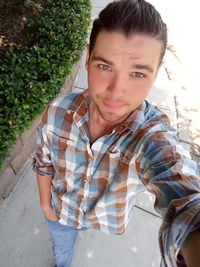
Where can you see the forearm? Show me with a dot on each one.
(191, 249)
(44, 187)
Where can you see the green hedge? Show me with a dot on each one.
(32, 75)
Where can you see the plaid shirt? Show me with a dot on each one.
(95, 185)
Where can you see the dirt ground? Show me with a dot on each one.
(13, 16)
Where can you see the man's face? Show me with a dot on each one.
(121, 72)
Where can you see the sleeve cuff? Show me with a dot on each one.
(47, 170)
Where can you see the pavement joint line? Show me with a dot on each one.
(11, 166)
(177, 115)
(196, 155)
(157, 216)
(79, 87)
(183, 141)
(172, 50)
(161, 108)
(165, 109)
(168, 75)
(21, 140)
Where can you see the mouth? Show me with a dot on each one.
(113, 105)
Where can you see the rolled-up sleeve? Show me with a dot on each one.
(42, 162)
(167, 171)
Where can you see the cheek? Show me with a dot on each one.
(96, 80)
(138, 90)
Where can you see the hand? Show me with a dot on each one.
(49, 214)
(191, 248)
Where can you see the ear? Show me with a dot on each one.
(87, 56)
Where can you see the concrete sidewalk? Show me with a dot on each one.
(24, 238)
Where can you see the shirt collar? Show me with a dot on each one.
(136, 118)
(82, 102)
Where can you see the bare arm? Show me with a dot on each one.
(44, 187)
(191, 249)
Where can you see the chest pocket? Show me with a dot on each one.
(118, 160)
(66, 156)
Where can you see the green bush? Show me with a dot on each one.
(32, 75)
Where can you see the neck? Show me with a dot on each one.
(98, 126)
(96, 118)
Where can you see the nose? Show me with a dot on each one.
(116, 86)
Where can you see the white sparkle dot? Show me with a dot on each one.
(90, 254)
(36, 231)
(134, 249)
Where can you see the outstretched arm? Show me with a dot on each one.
(168, 171)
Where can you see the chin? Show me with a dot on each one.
(112, 117)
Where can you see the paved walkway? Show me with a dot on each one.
(24, 238)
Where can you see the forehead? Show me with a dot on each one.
(137, 46)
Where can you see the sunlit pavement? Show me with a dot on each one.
(24, 240)
(183, 20)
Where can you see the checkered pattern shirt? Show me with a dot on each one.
(95, 185)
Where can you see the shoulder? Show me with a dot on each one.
(156, 130)
(56, 111)
(156, 120)
(63, 105)
(64, 102)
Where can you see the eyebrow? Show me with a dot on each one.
(137, 66)
(142, 67)
(99, 58)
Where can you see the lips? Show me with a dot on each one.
(113, 105)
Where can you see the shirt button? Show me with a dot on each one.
(78, 212)
(84, 180)
(89, 156)
(80, 197)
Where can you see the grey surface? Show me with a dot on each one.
(24, 240)
(162, 93)
(137, 247)
(145, 201)
(81, 79)
(101, 3)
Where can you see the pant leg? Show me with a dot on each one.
(63, 239)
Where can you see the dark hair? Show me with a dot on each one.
(130, 17)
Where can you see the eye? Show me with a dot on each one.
(138, 74)
(104, 67)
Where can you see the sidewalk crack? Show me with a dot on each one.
(158, 216)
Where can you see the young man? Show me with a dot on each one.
(95, 151)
